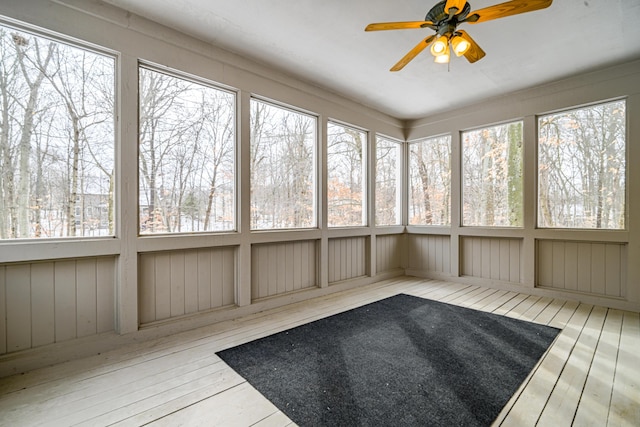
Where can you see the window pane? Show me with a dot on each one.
(492, 176)
(187, 147)
(57, 146)
(581, 168)
(346, 176)
(388, 156)
(282, 168)
(430, 181)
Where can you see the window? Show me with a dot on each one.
(430, 181)
(492, 176)
(581, 168)
(346, 176)
(57, 147)
(187, 150)
(283, 153)
(388, 161)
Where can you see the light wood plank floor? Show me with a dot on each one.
(589, 376)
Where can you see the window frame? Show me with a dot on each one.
(507, 122)
(570, 109)
(315, 162)
(210, 84)
(409, 144)
(399, 174)
(116, 56)
(364, 173)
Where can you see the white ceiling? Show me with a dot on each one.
(323, 42)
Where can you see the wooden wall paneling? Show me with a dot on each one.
(584, 267)
(387, 253)
(476, 244)
(613, 269)
(342, 261)
(515, 260)
(440, 252)
(558, 265)
(217, 277)
(163, 285)
(86, 297)
(598, 268)
(3, 310)
(105, 294)
(272, 270)
(381, 254)
(147, 289)
(446, 254)
(228, 276)
(65, 300)
(571, 266)
(311, 275)
(485, 257)
(255, 272)
(42, 307)
(357, 254)
(191, 281)
(545, 263)
(496, 259)
(298, 255)
(334, 257)
(281, 270)
(177, 282)
(431, 251)
(467, 258)
(18, 303)
(505, 267)
(204, 279)
(412, 249)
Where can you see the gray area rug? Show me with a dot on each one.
(401, 361)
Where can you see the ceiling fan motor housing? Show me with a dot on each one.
(445, 23)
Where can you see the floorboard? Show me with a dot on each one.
(589, 376)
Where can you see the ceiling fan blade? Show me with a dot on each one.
(456, 4)
(398, 25)
(412, 53)
(475, 52)
(509, 8)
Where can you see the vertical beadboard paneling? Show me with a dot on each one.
(590, 267)
(46, 302)
(177, 283)
(430, 253)
(86, 297)
(190, 281)
(42, 309)
(18, 295)
(228, 279)
(494, 258)
(65, 300)
(278, 268)
(105, 291)
(204, 279)
(147, 288)
(182, 282)
(388, 252)
(346, 258)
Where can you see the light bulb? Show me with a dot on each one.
(442, 59)
(439, 46)
(460, 45)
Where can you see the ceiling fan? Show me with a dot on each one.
(444, 19)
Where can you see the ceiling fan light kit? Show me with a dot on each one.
(444, 19)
